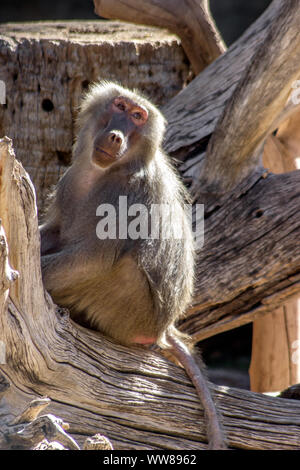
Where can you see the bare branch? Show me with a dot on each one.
(189, 19)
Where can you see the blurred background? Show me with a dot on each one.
(226, 355)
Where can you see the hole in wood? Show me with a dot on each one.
(64, 158)
(85, 84)
(259, 213)
(47, 105)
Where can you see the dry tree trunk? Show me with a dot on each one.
(193, 113)
(250, 264)
(135, 397)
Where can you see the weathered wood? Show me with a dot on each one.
(250, 220)
(47, 432)
(250, 262)
(135, 397)
(32, 410)
(7, 274)
(275, 347)
(97, 442)
(28, 435)
(288, 135)
(276, 156)
(48, 66)
(191, 20)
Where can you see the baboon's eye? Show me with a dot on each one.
(137, 116)
(121, 106)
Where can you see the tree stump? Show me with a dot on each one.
(47, 67)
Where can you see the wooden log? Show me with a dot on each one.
(135, 397)
(249, 264)
(47, 67)
(274, 360)
(190, 20)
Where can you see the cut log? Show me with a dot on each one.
(47, 67)
(135, 397)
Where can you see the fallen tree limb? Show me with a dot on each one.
(135, 397)
(29, 431)
(250, 263)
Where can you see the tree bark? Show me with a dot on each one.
(135, 397)
(189, 19)
(274, 360)
(239, 219)
(250, 261)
